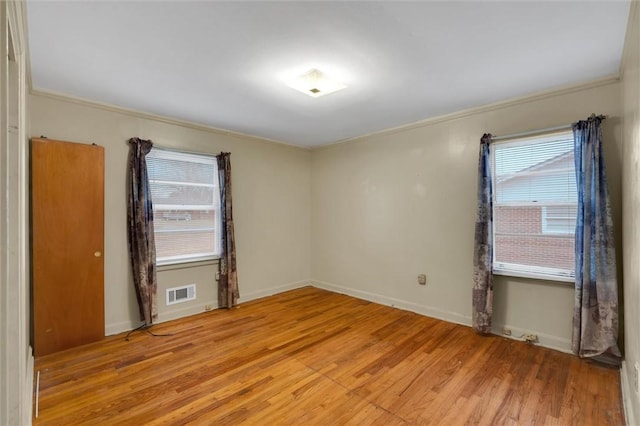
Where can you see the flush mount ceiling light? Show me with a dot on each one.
(315, 84)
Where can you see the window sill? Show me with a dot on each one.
(560, 280)
(187, 265)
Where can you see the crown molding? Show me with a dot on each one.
(156, 117)
(612, 79)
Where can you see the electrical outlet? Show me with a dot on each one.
(636, 367)
(207, 307)
(506, 331)
(531, 338)
(217, 275)
(422, 279)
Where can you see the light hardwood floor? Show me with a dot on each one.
(311, 357)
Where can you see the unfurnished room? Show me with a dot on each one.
(319, 212)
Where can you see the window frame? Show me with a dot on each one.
(186, 259)
(517, 270)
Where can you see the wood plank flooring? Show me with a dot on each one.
(311, 357)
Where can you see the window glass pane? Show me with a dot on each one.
(536, 171)
(180, 170)
(178, 194)
(559, 219)
(535, 205)
(185, 196)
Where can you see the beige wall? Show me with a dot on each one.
(631, 215)
(363, 217)
(270, 195)
(388, 207)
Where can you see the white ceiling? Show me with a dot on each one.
(223, 64)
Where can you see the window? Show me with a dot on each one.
(534, 207)
(186, 206)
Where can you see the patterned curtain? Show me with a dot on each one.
(142, 250)
(228, 284)
(595, 315)
(482, 308)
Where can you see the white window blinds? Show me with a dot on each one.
(535, 202)
(186, 205)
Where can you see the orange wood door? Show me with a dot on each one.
(67, 205)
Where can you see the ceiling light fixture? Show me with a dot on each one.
(315, 84)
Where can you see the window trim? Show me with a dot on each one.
(188, 265)
(540, 273)
(183, 260)
(516, 270)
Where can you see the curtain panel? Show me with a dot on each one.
(482, 309)
(595, 317)
(142, 251)
(228, 293)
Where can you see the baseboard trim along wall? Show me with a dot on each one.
(186, 311)
(120, 327)
(272, 290)
(428, 311)
(628, 394)
(545, 340)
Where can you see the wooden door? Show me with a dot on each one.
(67, 205)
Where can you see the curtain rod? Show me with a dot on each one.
(541, 131)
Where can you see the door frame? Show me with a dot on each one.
(16, 359)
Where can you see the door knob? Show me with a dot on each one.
(97, 254)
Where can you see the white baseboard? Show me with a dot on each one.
(628, 395)
(272, 290)
(425, 310)
(548, 341)
(186, 311)
(198, 309)
(120, 327)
